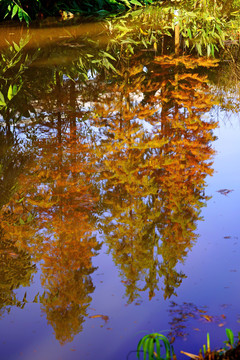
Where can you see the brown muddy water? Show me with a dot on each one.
(120, 193)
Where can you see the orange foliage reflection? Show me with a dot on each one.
(50, 217)
(155, 160)
(138, 175)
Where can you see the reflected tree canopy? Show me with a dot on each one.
(117, 147)
(156, 154)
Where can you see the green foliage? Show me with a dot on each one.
(202, 31)
(133, 31)
(15, 8)
(151, 347)
(22, 10)
(230, 337)
(204, 26)
(206, 349)
(14, 62)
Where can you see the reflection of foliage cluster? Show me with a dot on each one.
(125, 151)
(9, 167)
(227, 82)
(60, 233)
(67, 300)
(16, 270)
(153, 182)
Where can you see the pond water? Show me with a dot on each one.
(120, 193)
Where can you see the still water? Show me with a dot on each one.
(120, 192)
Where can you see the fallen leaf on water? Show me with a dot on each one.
(104, 317)
(207, 317)
(222, 324)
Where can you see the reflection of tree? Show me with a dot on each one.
(189, 159)
(53, 222)
(13, 157)
(67, 283)
(226, 84)
(154, 160)
(16, 267)
(67, 258)
(138, 158)
(16, 270)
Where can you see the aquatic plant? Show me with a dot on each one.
(150, 345)
(230, 337)
(223, 353)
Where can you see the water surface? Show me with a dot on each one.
(119, 193)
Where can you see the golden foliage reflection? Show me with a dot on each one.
(154, 164)
(133, 167)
